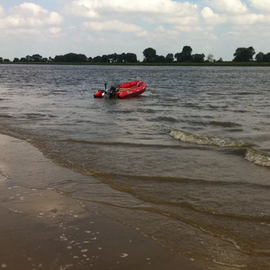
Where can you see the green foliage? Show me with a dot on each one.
(71, 57)
(115, 58)
(244, 54)
(186, 52)
(37, 58)
(169, 58)
(179, 57)
(198, 58)
(149, 55)
(261, 57)
(186, 57)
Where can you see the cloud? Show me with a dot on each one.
(231, 15)
(166, 25)
(114, 25)
(229, 6)
(55, 30)
(262, 5)
(212, 18)
(29, 15)
(249, 19)
(166, 11)
(2, 13)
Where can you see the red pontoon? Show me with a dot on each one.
(125, 90)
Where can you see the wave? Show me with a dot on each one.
(258, 157)
(207, 140)
(224, 124)
(228, 124)
(5, 116)
(182, 180)
(127, 144)
(163, 119)
(252, 155)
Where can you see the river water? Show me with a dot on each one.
(186, 164)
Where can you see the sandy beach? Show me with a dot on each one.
(43, 229)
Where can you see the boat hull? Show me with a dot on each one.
(126, 90)
(131, 89)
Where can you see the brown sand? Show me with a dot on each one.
(42, 229)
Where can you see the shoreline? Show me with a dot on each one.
(176, 64)
(44, 229)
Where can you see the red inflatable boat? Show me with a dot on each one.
(125, 90)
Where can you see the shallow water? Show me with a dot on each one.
(187, 163)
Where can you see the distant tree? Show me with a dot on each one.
(220, 60)
(266, 57)
(37, 58)
(16, 60)
(186, 51)
(185, 55)
(149, 55)
(1, 59)
(121, 58)
(160, 59)
(113, 57)
(179, 57)
(169, 57)
(29, 58)
(97, 59)
(23, 59)
(198, 58)
(6, 60)
(81, 58)
(244, 54)
(105, 59)
(259, 57)
(131, 58)
(70, 58)
(59, 58)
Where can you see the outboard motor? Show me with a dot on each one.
(109, 91)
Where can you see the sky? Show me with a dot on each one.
(98, 27)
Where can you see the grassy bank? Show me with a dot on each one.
(205, 64)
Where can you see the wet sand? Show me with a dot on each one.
(43, 229)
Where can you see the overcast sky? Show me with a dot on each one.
(97, 27)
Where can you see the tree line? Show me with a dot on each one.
(241, 54)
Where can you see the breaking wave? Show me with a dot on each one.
(252, 155)
(257, 157)
(207, 140)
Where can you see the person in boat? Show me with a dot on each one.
(110, 89)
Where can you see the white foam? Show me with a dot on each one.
(257, 157)
(206, 140)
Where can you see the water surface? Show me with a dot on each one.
(187, 163)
